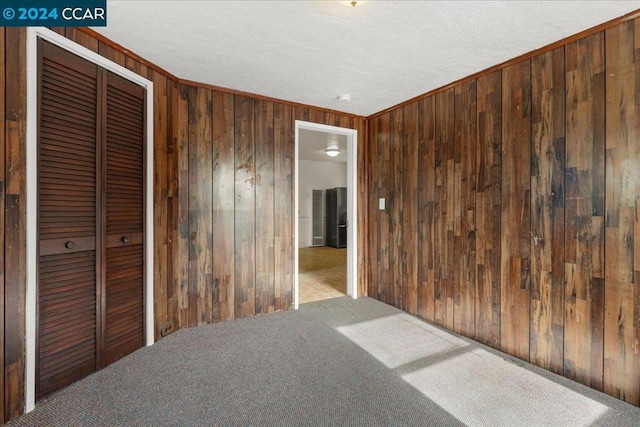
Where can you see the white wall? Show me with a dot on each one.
(316, 176)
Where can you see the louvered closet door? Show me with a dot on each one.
(67, 197)
(124, 218)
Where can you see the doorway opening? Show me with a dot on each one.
(325, 208)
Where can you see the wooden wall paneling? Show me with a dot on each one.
(363, 199)
(317, 116)
(516, 213)
(488, 205)
(137, 67)
(180, 241)
(15, 217)
(82, 38)
(444, 209)
(426, 208)
(332, 119)
(284, 245)
(173, 207)
(373, 213)
(160, 184)
(622, 286)
(384, 238)
(409, 207)
(245, 218)
(265, 206)
(584, 211)
(2, 211)
(113, 54)
(394, 205)
(200, 209)
(547, 214)
(465, 213)
(300, 113)
(223, 195)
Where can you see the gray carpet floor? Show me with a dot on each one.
(333, 362)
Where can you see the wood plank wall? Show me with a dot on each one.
(223, 197)
(527, 209)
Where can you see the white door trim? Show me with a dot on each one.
(352, 205)
(33, 33)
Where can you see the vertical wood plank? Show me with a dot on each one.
(245, 215)
(2, 215)
(409, 209)
(160, 186)
(547, 215)
(444, 209)
(317, 116)
(15, 217)
(372, 208)
(465, 209)
(112, 54)
(426, 209)
(394, 205)
(385, 241)
(181, 234)
(488, 205)
(283, 123)
(584, 210)
(82, 38)
(200, 206)
(622, 318)
(223, 205)
(265, 205)
(516, 212)
(363, 199)
(173, 213)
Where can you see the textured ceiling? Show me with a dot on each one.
(381, 53)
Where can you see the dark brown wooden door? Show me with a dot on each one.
(124, 218)
(90, 218)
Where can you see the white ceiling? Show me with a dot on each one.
(313, 143)
(381, 52)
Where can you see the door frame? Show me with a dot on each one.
(352, 204)
(33, 33)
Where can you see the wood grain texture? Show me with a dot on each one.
(2, 215)
(464, 282)
(265, 205)
(444, 209)
(516, 213)
(547, 210)
(181, 199)
(223, 205)
(362, 201)
(584, 212)
(373, 185)
(488, 204)
(160, 193)
(200, 208)
(245, 205)
(621, 294)
(426, 209)
(394, 207)
(409, 209)
(15, 218)
(284, 167)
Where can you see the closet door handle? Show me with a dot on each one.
(69, 245)
(125, 239)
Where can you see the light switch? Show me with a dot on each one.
(381, 203)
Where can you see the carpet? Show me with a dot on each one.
(338, 362)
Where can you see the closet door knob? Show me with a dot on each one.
(125, 239)
(69, 245)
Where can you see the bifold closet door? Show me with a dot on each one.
(123, 314)
(90, 218)
(68, 232)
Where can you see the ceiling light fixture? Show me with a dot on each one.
(332, 146)
(332, 151)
